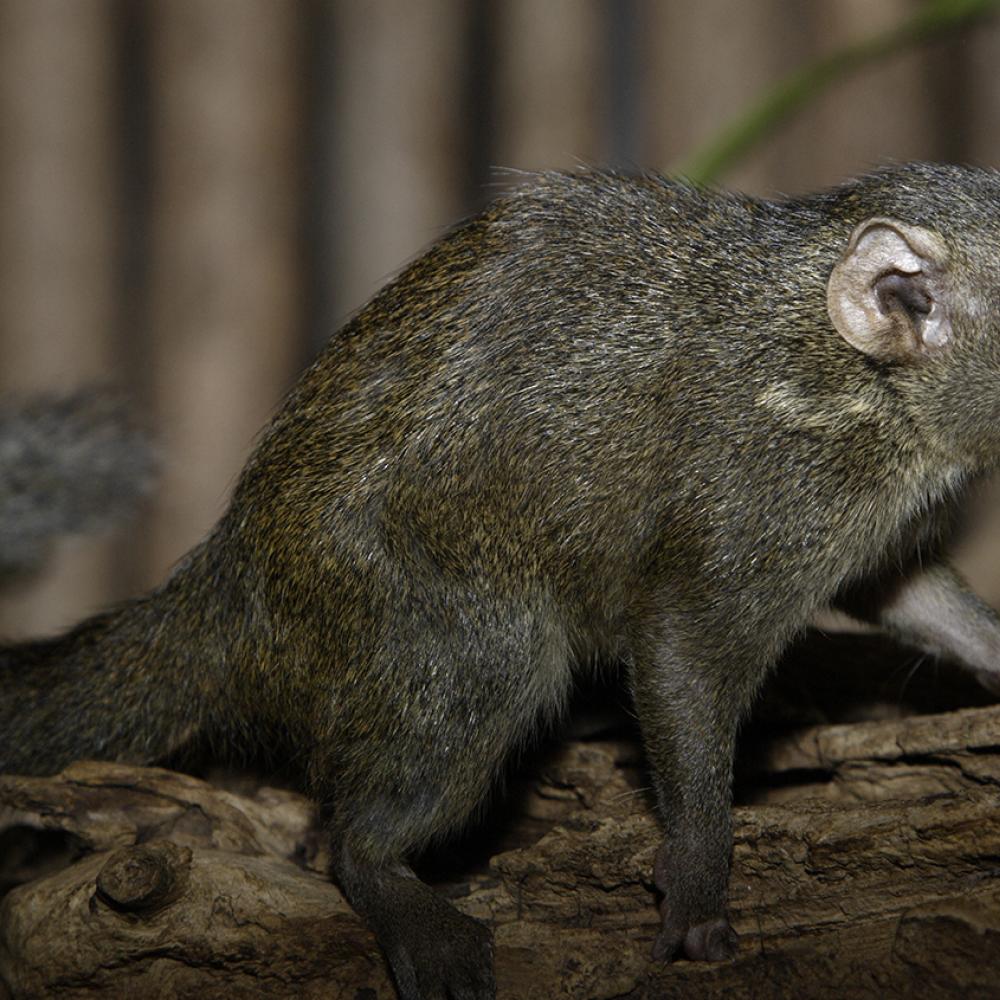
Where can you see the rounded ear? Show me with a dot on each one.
(887, 295)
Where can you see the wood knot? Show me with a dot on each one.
(144, 878)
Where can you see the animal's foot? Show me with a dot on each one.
(450, 958)
(709, 941)
(693, 909)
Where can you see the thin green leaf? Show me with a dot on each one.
(933, 19)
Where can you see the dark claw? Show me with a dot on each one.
(665, 946)
(455, 963)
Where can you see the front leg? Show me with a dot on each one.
(934, 610)
(689, 709)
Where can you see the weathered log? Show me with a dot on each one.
(846, 893)
(918, 756)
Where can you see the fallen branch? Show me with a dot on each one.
(188, 890)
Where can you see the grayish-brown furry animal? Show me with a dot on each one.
(610, 416)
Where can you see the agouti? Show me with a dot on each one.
(616, 416)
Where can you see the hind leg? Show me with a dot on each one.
(420, 740)
(435, 952)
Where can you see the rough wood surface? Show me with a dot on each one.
(873, 875)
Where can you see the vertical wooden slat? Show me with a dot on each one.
(397, 101)
(979, 557)
(702, 64)
(551, 84)
(623, 26)
(980, 50)
(57, 243)
(879, 114)
(224, 246)
(709, 62)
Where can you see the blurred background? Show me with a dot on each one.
(194, 194)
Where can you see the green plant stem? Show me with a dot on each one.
(932, 19)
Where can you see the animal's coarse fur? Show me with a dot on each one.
(610, 415)
(67, 464)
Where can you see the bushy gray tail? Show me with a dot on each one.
(67, 464)
(131, 684)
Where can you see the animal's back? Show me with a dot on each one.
(517, 394)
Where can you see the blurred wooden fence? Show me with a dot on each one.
(195, 193)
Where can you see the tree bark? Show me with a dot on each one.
(865, 867)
